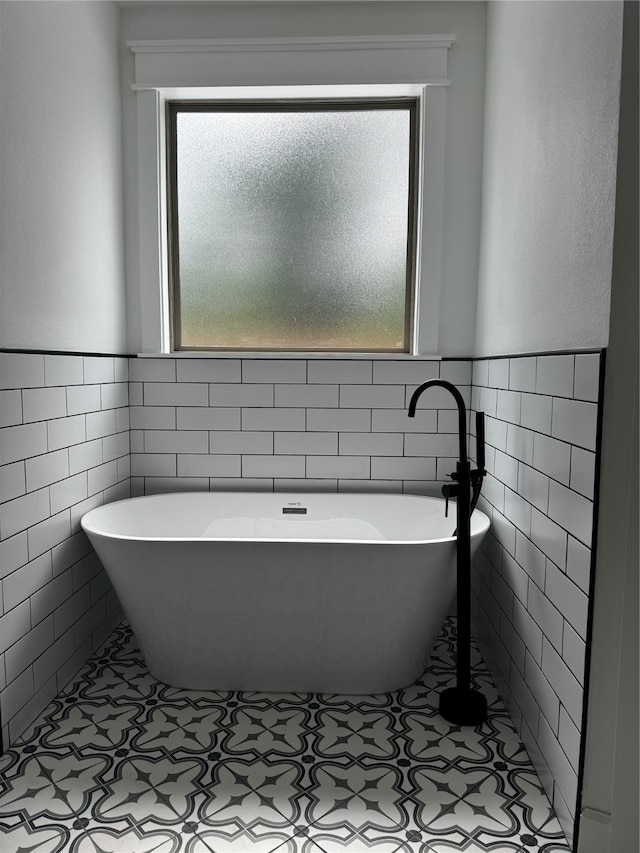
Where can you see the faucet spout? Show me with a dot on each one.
(462, 412)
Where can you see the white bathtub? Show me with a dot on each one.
(325, 593)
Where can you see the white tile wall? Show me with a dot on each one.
(64, 447)
(540, 549)
(297, 424)
(341, 423)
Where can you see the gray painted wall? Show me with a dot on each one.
(62, 235)
(550, 140)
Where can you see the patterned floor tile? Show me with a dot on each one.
(360, 844)
(248, 794)
(120, 763)
(96, 726)
(531, 808)
(139, 787)
(23, 837)
(52, 785)
(179, 731)
(167, 696)
(356, 733)
(465, 799)
(246, 842)
(266, 732)
(356, 798)
(100, 839)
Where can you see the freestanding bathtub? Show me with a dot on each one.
(323, 593)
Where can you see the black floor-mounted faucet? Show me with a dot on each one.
(462, 705)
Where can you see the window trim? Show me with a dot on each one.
(246, 68)
(174, 107)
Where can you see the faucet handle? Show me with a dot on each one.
(449, 490)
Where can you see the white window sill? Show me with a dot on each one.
(400, 356)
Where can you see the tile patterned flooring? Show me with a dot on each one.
(121, 762)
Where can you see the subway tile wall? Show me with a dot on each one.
(291, 424)
(532, 573)
(64, 449)
(296, 424)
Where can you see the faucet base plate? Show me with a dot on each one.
(463, 706)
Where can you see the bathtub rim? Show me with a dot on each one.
(483, 522)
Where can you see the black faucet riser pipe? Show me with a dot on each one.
(462, 705)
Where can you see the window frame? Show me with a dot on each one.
(327, 66)
(174, 107)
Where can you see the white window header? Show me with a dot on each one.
(277, 61)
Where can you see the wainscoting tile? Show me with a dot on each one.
(176, 394)
(338, 371)
(247, 394)
(188, 417)
(554, 444)
(46, 469)
(209, 370)
(574, 652)
(372, 444)
(82, 399)
(235, 441)
(549, 538)
(406, 373)
(587, 377)
(336, 467)
(21, 442)
(287, 420)
(552, 457)
(554, 375)
(63, 370)
(578, 563)
(568, 598)
(176, 441)
(563, 682)
(535, 413)
(278, 466)
(317, 443)
(572, 511)
(274, 370)
(582, 472)
(202, 465)
(575, 421)
(41, 404)
(522, 374)
(397, 420)
(23, 512)
(10, 408)
(114, 395)
(372, 396)
(316, 396)
(100, 424)
(498, 373)
(154, 369)
(520, 443)
(508, 406)
(21, 370)
(457, 372)
(12, 481)
(330, 420)
(403, 468)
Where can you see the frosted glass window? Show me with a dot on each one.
(292, 227)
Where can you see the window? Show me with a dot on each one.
(292, 224)
(330, 71)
